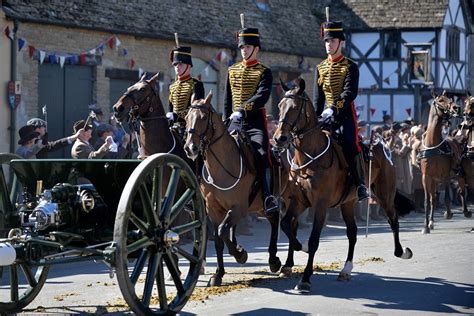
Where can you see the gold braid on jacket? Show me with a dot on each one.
(243, 83)
(180, 96)
(331, 78)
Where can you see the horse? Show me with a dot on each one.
(319, 171)
(467, 143)
(141, 103)
(438, 157)
(227, 183)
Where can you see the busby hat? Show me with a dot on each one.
(27, 133)
(81, 124)
(181, 55)
(332, 29)
(36, 122)
(248, 36)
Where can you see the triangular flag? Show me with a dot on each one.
(117, 42)
(21, 43)
(101, 48)
(223, 56)
(132, 63)
(408, 110)
(42, 56)
(73, 59)
(8, 33)
(31, 50)
(124, 52)
(83, 58)
(140, 72)
(372, 111)
(199, 77)
(92, 51)
(110, 41)
(384, 113)
(219, 56)
(52, 59)
(387, 80)
(62, 59)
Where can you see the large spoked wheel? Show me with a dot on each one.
(20, 283)
(149, 239)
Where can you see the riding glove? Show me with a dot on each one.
(327, 113)
(170, 116)
(236, 116)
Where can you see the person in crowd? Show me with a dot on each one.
(417, 187)
(249, 85)
(82, 149)
(338, 84)
(40, 126)
(29, 148)
(118, 150)
(387, 122)
(400, 145)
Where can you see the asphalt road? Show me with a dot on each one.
(438, 279)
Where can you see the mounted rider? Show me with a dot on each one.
(249, 84)
(184, 86)
(338, 82)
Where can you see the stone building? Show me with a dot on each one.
(83, 52)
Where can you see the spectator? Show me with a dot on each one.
(28, 148)
(48, 146)
(417, 187)
(399, 144)
(118, 150)
(82, 148)
(362, 127)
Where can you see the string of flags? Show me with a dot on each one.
(82, 58)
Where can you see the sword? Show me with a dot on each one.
(45, 115)
(371, 158)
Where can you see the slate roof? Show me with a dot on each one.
(289, 27)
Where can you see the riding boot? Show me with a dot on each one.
(357, 170)
(270, 203)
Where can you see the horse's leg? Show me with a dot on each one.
(447, 201)
(462, 194)
(216, 278)
(287, 224)
(225, 232)
(428, 195)
(273, 260)
(286, 270)
(347, 210)
(304, 286)
(433, 198)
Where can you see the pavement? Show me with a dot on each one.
(438, 279)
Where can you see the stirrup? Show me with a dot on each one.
(362, 192)
(271, 205)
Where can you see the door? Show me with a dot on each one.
(67, 93)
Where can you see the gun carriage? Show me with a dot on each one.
(123, 212)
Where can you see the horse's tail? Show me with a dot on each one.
(403, 204)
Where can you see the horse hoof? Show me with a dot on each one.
(431, 225)
(303, 287)
(343, 276)
(242, 257)
(448, 215)
(275, 265)
(425, 231)
(407, 253)
(215, 280)
(305, 246)
(286, 272)
(468, 214)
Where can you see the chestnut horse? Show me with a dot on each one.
(320, 172)
(438, 159)
(141, 103)
(467, 143)
(228, 178)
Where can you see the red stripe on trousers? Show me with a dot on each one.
(356, 131)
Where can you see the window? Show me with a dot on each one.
(391, 45)
(452, 44)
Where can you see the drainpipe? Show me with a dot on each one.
(13, 78)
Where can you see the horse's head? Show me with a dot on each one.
(444, 106)
(469, 107)
(137, 100)
(199, 125)
(294, 114)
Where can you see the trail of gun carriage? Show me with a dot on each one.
(158, 195)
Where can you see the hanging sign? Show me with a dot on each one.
(14, 94)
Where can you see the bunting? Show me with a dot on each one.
(372, 111)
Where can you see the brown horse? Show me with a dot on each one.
(467, 143)
(227, 182)
(141, 103)
(438, 159)
(319, 171)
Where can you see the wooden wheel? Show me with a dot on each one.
(20, 283)
(148, 240)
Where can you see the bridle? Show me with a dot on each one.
(134, 113)
(205, 141)
(302, 111)
(446, 113)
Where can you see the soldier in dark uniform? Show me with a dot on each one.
(249, 85)
(338, 82)
(184, 86)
